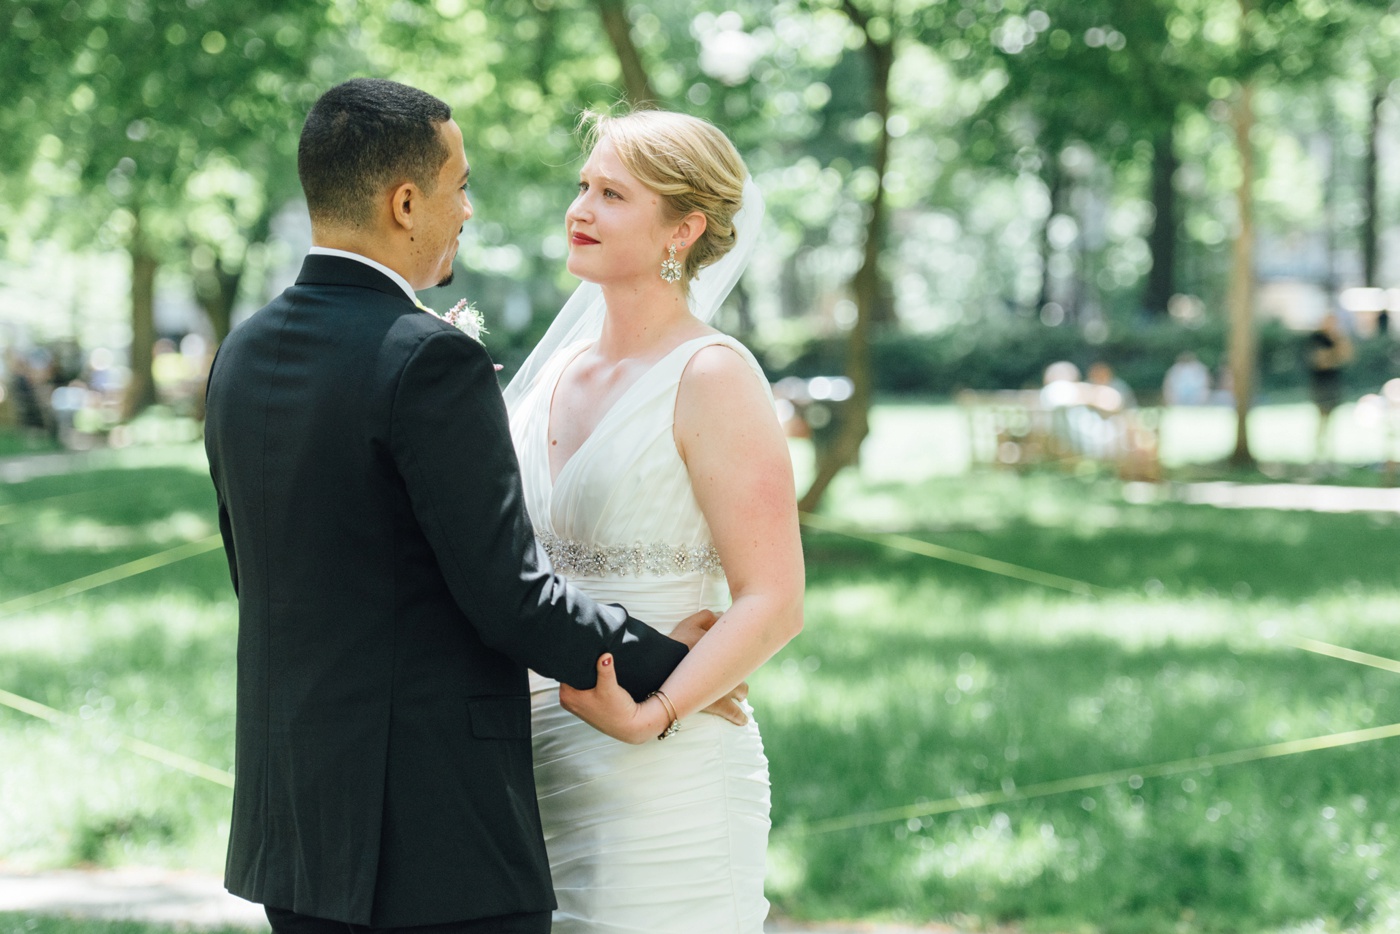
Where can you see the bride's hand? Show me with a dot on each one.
(728, 707)
(690, 629)
(610, 709)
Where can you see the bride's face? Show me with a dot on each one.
(615, 226)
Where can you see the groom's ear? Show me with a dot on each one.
(402, 203)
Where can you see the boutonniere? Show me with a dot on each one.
(464, 317)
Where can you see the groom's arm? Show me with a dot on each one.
(451, 440)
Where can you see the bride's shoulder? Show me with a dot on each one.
(722, 373)
(724, 407)
(720, 358)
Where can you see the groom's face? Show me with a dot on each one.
(446, 210)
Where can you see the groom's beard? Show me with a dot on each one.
(446, 281)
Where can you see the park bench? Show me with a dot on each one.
(1017, 429)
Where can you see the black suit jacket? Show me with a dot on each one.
(390, 596)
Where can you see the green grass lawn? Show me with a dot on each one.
(14, 922)
(920, 681)
(914, 681)
(13, 443)
(910, 441)
(150, 657)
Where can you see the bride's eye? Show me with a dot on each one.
(582, 187)
(609, 193)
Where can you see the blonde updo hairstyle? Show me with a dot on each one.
(689, 163)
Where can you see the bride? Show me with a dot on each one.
(655, 471)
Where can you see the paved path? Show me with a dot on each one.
(196, 900)
(21, 467)
(1311, 497)
(144, 894)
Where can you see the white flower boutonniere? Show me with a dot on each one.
(464, 317)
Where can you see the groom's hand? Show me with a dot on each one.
(728, 707)
(690, 629)
(609, 709)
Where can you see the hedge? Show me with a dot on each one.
(1014, 355)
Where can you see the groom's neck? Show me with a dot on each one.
(356, 242)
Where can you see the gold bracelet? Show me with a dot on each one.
(670, 712)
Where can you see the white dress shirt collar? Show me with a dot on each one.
(345, 254)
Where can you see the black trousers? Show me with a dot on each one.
(289, 922)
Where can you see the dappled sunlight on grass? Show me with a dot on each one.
(159, 670)
(150, 657)
(933, 681)
(915, 681)
(54, 531)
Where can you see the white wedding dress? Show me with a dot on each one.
(668, 837)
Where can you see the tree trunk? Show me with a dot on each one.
(634, 73)
(1242, 349)
(853, 417)
(1161, 280)
(141, 390)
(1370, 192)
(1329, 190)
(215, 292)
(744, 305)
(1053, 180)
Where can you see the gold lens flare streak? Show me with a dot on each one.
(132, 568)
(111, 575)
(1345, 654)
(1031, 575)
(953, 556)
(1098, 780)
(900, 542)
(131, 744)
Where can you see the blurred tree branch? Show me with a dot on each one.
(634, 73)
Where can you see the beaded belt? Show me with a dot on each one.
(581, 559)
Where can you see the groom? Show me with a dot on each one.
(390, 591)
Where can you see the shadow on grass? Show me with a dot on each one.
(925, 719)
(918, 681)
(75, 796)
(1184, 549)
(60, 528)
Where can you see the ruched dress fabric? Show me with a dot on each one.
(667, 837)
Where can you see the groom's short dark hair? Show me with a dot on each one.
(362, 137)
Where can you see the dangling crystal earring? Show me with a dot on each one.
(670, 267)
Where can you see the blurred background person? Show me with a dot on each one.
(1119, 395)
(1328, 352)
(1187, 382)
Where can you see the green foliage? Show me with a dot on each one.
(137, 99)
(1013, 354)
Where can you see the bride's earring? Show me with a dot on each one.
(670, 267)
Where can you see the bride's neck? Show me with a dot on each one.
(640, 319)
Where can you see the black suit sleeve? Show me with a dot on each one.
(226, 532)
(452, 443)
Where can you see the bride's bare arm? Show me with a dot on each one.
(741, 472)
(737, 458)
